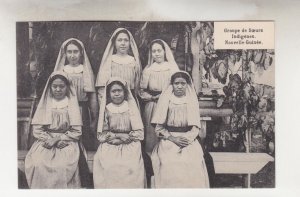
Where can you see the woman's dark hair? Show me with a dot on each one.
(117, 34)
(113, 40)
(180, 75)
(161, 44)
(79, 47)
(109, 87)
(64, 79)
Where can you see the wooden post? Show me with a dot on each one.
(247, 178)
(33, 63)
(195, 49)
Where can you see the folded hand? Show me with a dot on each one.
(61, 144)
(179, 141)
(50, 142)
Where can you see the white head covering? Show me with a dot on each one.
(88, 75)
(104, 73)
(193, 112)
(134, 113)
(43, 114)
(169, 55)
(169, 59)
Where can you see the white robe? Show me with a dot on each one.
(119, 166)
(176, 167)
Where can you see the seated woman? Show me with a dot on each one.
(118, 162)
(52, 161)
(178, 157)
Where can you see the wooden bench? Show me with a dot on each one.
(224, 162)
(25, 108)
(240, 163)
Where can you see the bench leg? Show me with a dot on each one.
(247, 180)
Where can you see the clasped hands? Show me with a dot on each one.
(55, 141)
(117, 138)
(179, 141)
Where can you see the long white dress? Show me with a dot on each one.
(54, 168)
(119, 166)
(176, 167)
(154, 80)
(76, 78)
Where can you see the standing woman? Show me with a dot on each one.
(155, 78)
(52, 161)
(73, 60)
(118, 162)
(178, 157)
(117, 61)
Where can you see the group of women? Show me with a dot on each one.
(76, 113)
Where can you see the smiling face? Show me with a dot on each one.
(58, 89)
(117, 94)
(179, 86)
(158, 53)
(73, 54)
(122, 44)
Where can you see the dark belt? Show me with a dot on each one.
(57, 131)
(179, 129)
(118, 131)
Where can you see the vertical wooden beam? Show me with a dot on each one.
(22, 57)
(195, 49)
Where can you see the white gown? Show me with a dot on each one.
(54, 168)
(175, 167)
(119, 166)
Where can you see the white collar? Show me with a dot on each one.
(59, 104)
(71, 69)
(160, 67)
(178, 100)
(118, 108)
(122, 59)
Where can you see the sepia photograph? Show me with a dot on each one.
(149, 98)
(145, 104)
